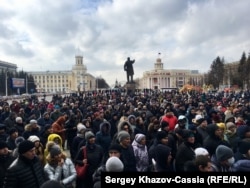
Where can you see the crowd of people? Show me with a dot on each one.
(41, 141)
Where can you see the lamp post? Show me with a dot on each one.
(6, 83)
(27, 84)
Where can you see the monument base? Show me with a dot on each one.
(130, 88)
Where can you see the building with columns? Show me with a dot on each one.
(75, 80)
(160, 78)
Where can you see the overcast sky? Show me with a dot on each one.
(41, 35)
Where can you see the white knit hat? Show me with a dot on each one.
(201, 151)
(19, 119)
(80, 127)
(33, 138)
(114, 164)
(33, 121)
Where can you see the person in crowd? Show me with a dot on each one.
(170, 118)
(3, 133)
(185, 151)
(123, 126)
(201, 163)
(5, 114)
(242, 157)
(202, 127)
(223, 159)
(161, 138)
(10, 121)
(140, 126)
(6, 159)
(109, 165)
(131, 120)
(113, 122)
(231, 135)
(128, 156)
(59, 128)
(19, 125)
(94, 159)
(98, 119)
(59, 167)
(56, 113)
(13, 134)
(52, 139)
(39, 148)
(31, 129)
(103, 137)
(44, 134)
(88, 122)
(242, 150)
(23, 115)
(18, 140)
(197, 135)
(44, 120)
(243, 131)
(153, 128)
(35, 112)
(141, 152)
(27, 170)
(182, 123)
(80, 136)
(71, 127)
(163, 158)
(214, 139)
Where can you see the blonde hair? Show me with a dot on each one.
(221, 126)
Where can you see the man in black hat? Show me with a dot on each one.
(26, 171)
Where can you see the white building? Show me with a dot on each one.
(160, 78)
(73, 80)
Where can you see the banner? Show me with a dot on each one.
(17, 82)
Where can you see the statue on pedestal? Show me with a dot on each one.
(128, 67)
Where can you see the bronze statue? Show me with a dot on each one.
(128, 67)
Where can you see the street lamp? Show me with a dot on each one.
(27, 84)
(6, 82)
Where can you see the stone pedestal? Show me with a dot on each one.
(130, 88)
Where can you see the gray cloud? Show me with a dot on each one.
(46, 35)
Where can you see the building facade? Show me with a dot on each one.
(7, 67)
(160, 78)
(75, 80)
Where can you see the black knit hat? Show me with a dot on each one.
(161, 134)
(25, 146)
(12, 130)
(3, 144)
(116, 147)
(164, 124)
